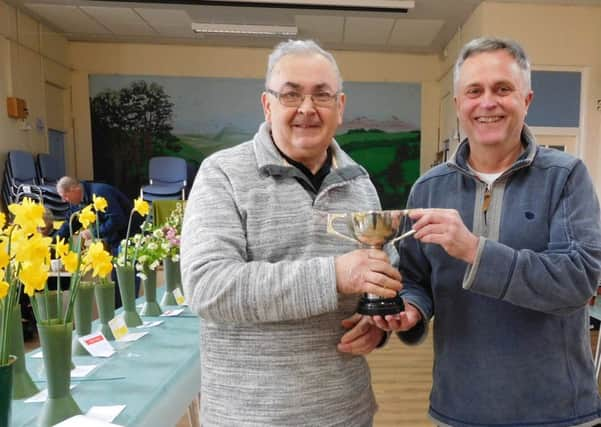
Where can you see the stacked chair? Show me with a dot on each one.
(167, 178)
(22, 179)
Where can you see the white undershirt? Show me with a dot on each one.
(488, 178)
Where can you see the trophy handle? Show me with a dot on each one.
(333, 217)
(402, 236)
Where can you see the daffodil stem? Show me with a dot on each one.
(97, 227)
(36, 310)
(59, 299)
(131, 215)
(46, 302)
(74, 284)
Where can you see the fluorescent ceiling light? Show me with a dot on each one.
(390, 6)
(260, 30)
(322, 4)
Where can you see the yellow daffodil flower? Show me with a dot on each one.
(61, 247)
(33, 276)
(2, 220)
(34, 249)
(29, 215)
(70, 262)
(57, 224)
(98, 259)
(87, 216)
(3, 288)
(99, 202)
(141, 206)
(4, 257)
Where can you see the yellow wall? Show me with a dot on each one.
(104, 58)
(32, 59)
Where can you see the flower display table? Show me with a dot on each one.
(156, 377)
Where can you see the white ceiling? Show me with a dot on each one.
(426, 28)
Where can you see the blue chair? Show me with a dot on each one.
(49, 171)
(167, 178)
(21, 180)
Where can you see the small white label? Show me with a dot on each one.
(172, 313)
(97, 345)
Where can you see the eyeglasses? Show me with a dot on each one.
(295, 99)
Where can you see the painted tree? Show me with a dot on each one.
(129, 126)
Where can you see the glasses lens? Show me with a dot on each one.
(291, 99)
(323, 99)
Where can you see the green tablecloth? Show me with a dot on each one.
(156, 377)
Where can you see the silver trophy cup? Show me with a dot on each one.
(374, 229)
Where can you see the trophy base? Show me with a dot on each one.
(380, 306)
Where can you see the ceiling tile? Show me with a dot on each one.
(322, 29)
(168, 22)
(68, 18)
(367, 31)
(119, 20)
(417, 32)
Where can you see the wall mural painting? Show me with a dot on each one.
(135, 118)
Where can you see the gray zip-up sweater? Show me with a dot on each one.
(511, 330)
(258, 267)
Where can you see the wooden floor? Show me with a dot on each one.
(401, 378)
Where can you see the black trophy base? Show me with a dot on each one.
(374, 306)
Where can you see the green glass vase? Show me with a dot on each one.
(127, 288)
(82, 312)
(6, 390)
(151, 306)
(173, 281)
(23, 386)
(105, 301)
(55, 341)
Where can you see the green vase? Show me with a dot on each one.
(151, 306)
(6, 390)
(127, 288)
(23, 386)
(55, 340)
(173, 281)
(105, 300)
(48, 305)
(82, 312)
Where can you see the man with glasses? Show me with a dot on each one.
(275, 292)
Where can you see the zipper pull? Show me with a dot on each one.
(486, 201)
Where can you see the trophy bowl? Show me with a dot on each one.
(374, 229)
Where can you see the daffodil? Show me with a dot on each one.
(61, 247)
(70, 261)
(2, 220)
(99, 203)
(87, 216)
(29, 215)
(33, 276)
(4, 286)
(37, 248)
(4, 257)
(56, 225)
(141, 206)
(98, 259)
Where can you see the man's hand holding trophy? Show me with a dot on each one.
(369, 272)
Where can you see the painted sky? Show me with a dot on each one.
(205, 105)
